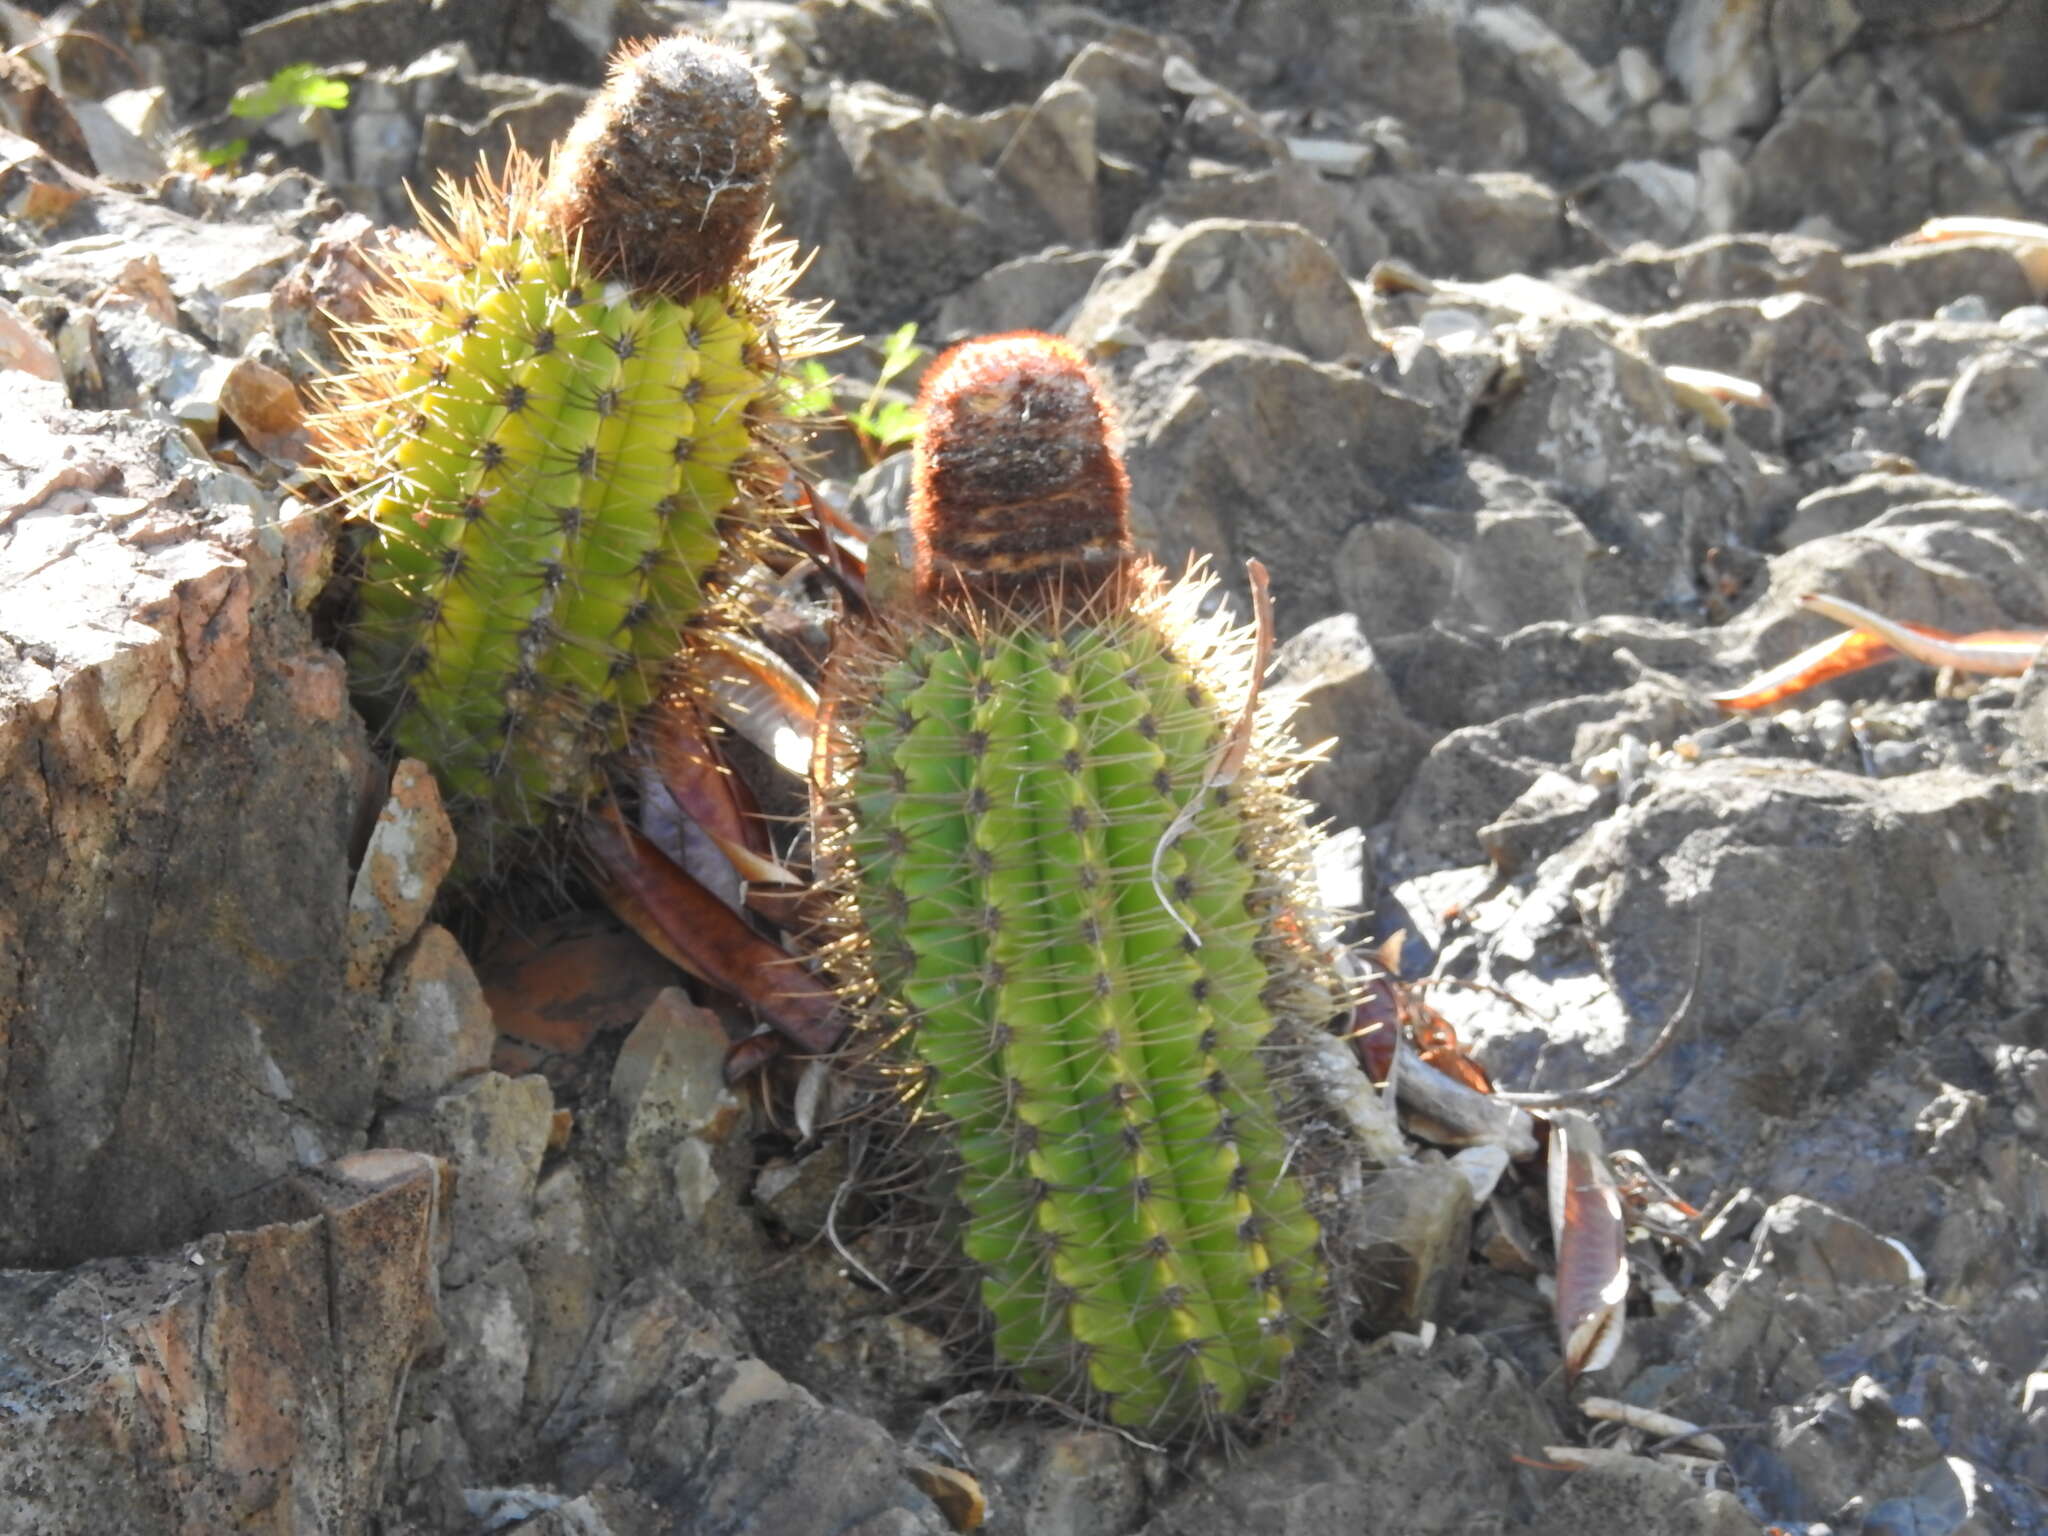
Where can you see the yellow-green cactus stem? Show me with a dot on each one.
(552, 432)
(1077, 944)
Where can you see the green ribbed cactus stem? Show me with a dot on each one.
(553, 434)
(1077, 945)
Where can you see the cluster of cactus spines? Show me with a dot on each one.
(1090, 1049)
(554, 433)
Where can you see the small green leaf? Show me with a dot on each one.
(224, 154)
(296, 85)
(892, 425)
(898, 353)
(815, 398)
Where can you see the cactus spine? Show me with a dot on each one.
(1089, 1037)
(552, 432)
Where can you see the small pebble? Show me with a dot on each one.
(1970, 307)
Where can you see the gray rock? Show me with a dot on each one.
(1597, 425)
(1647, 282)
(534, 118)
(1644, 1496)
(1502, 581)
(1282, 194)
(371, 32)
(1580, 411)
(140, 362)
(1639, 201)
(1813, 361)
(1479, 226)
(1805, 39)
(671, 1426)
(1844, 111)
(1994, 424)
(1048, 168)
(1135, 114)
(1912, 282)
(1204, 477)
(1395, 578)
(1473, 777)
(888, 191)
(544, 1514)
(903, 46)
(1551, 66)
(288, 1339)
(1353, 1456)
(124, 151)
(1415, 1223)
(1910, 352)
(225, 256)
(669, 1089)
(1377, 746)
(160, 697)
(569, 1274)
(1074, 1482)
(990, 37)
(442, 1027)
(1553, 810)
(1216, 124)
(2030, 739)
(489, 1325)
(1221, 278)
(1840, 508)
(410, 851)
(492, 1130)
(1808, 1247)
(1774, 853)
(1031, 293)
(1716, 51)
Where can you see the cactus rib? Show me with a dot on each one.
(557, 439)
(1005, 763)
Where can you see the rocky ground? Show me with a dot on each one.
(317, 1223)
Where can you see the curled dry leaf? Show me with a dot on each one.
(1389, 1010)
(1708, 394)
(834, 543)
(2030, 238)
(704, 787)
(1651, 1422)
(957, 1494)
(1834, 657)
(1988, 653)
(1452, 1114)
(760, 695)
(1590, 1233)
(1873, 638)
(694, 929)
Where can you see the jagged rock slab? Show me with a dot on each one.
(249, 1380)
(178, 777)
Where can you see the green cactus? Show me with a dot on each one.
(552, 433)
(1079, 975)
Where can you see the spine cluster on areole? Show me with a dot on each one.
(1073, 943)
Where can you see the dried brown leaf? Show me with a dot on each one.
(693, 928)
(1590, 1234)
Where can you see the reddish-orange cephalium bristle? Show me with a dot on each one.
(665, 177)
(1016, 485)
